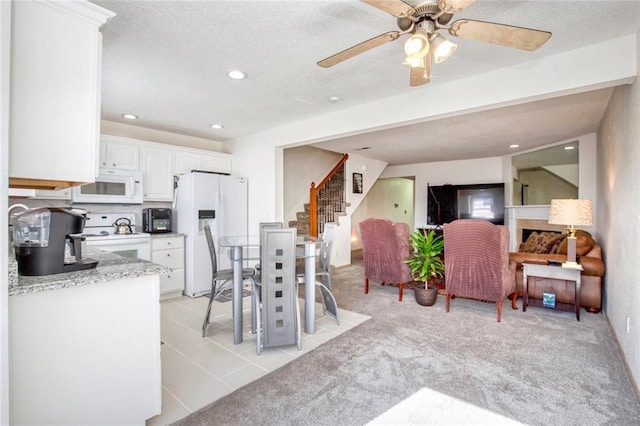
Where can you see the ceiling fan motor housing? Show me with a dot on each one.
(423, 13)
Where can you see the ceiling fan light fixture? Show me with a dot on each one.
(416, 47)
(442, 48)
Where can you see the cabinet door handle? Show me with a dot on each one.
(168, 255)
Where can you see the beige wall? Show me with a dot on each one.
(151, 135)
(619, 217)
(543, 186)
(381, 202)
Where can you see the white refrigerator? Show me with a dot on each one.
(220, 200)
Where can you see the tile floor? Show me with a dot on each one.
(197, 371)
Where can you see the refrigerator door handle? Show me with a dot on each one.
(175, 192)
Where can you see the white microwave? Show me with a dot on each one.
(112, 186)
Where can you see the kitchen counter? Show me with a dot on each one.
(89, 346)
(168, 234)
(110, 267)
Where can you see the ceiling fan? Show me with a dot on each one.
(426, 45)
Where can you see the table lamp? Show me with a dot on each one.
(570, 213)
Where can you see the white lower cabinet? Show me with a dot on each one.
(86, 355)
(168, 250)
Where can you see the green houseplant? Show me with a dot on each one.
(426, 264)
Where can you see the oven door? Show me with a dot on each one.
(128, 247)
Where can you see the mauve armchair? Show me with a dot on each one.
(477, 266)
(385, 247)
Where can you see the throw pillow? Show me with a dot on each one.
(558, 242)
(529, 246)
(584, 243)
(546, 242)
(541, 243)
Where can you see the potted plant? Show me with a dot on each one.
(426, 264)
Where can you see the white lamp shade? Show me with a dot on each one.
(571, 212)
(417, 44)
(442, 48)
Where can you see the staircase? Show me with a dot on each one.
(327, 202)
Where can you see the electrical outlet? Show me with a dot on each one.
(628, 324)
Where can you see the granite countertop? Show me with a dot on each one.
(167, 234)
(110, 267)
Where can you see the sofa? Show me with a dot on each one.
(540, 247)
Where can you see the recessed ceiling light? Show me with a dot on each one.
(237, 75)
(216, 126)
(514, 145)
(130, 116)
(570, 147)
(334, 99)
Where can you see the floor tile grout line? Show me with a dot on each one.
(221, 347)
(197, 365)
(177, 399)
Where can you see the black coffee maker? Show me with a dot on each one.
(48, 241)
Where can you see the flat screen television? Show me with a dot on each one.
(447, 203)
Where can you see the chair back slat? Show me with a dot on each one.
(279, 295)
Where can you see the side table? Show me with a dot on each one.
(551, 271)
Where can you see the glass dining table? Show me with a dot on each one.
(240, 244)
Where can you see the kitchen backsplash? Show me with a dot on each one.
(93, 208)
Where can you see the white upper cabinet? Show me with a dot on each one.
(116, 153)
(214, 162)
(185, 161)
(158, 162)
(56, 52)
(157, 169)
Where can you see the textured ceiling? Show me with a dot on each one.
(482, 134)
(166, 61)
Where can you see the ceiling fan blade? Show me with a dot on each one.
(358, 49)
(503, 35)
(421, 75)
(453, 6)
(393, 7)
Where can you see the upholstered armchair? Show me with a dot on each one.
(477, 266)
(385, 247)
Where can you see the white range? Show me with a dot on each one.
(100, 232)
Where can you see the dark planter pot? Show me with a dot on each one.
(425, 296)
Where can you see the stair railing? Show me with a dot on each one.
(322, 198)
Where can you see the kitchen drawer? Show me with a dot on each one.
(172, 281)
(162, 243)
(172, 258)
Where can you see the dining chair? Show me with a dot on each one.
(224, 275)
(323, 271)
(276, 303)
(261, 226)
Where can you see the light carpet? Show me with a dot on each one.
(541, 367)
